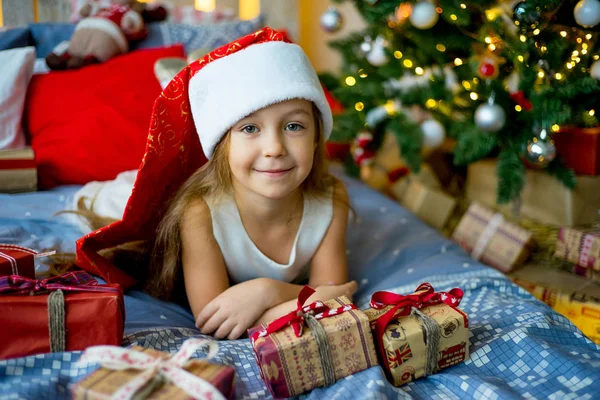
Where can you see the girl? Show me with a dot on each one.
(262, 214)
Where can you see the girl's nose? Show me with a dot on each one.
(273, 145)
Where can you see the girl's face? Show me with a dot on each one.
(271, 151)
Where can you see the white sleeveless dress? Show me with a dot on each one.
(244, 261)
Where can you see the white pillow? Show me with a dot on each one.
(16, 68)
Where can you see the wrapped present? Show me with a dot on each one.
(150, 374)
(18, 171)
(579, 148)
(544, 198)
(587, 273)
(579, 246)
(294, 358)
(57, 314)
(17, 260)
(572, 296)
(418, 334)
(431, 205)
(492, 239)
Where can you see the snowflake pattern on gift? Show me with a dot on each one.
(353, 362)
(343, 324)
(307, 354)
(348, 341)
(312, 376)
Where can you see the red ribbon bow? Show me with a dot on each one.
(424, 296)
(296, 318)
(79, 281)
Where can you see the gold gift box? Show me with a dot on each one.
(404, 342)
(572, 296)
(579, 246)
(104, 382)
(508, 247)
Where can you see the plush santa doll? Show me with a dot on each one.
(98, 38)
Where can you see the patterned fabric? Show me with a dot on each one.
(519, 347)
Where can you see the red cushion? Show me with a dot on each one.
(92, 123)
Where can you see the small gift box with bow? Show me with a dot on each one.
(579, 246)
(145, 373)
(62, 313)
(418, 334)
(313, 346)
(17, 260)
(492, 239)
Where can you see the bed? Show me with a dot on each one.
(520, 348)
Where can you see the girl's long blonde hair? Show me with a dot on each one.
(212, 180)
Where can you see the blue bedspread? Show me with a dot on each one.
(520, 348)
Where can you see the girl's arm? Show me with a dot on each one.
(220, 309)
(329, 270)
(204, 272)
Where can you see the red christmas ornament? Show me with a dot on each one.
(487, 70)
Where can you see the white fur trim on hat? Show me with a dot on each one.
(107, 26)
(233, 87)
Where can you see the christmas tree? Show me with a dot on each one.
(497, 78)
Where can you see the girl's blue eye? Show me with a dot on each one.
(249, 129)
(294, 127)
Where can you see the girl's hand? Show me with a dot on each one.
(327, 292)
(235, 310)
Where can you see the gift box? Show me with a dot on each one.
(419, 334)
(145, 373)
(294, 358)
(579, 246)
(17, 260)
(572, 296)
(64, 313)
(432, 206)
(18, 171)
(579, 148)
(491, 239)
(587, 273)
(544, 198)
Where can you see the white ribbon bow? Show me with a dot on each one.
(119, 358)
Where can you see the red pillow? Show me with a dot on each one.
(92, 123)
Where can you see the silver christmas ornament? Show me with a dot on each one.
(433, 134)
(377, 56)
(366, 46)
(587, 13)
(540, 151)
(424, 15)
(595, 70)
(331, 20)
(490, 117)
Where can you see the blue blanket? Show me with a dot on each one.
(519, 346)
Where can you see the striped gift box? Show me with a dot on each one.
(579, 246)
(18, 171)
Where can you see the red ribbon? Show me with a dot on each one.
(296, 319)
(77, 281)
(424, 296)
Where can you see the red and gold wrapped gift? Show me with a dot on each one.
(418, 334)
(573, 296)
(294, 358)
(579, 148)
(579, 246)
(492, 239)
(18, 171)
(150, 374)
(17, 260)
(63, 313)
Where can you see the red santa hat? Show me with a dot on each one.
(118, 21)
(190, 117)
